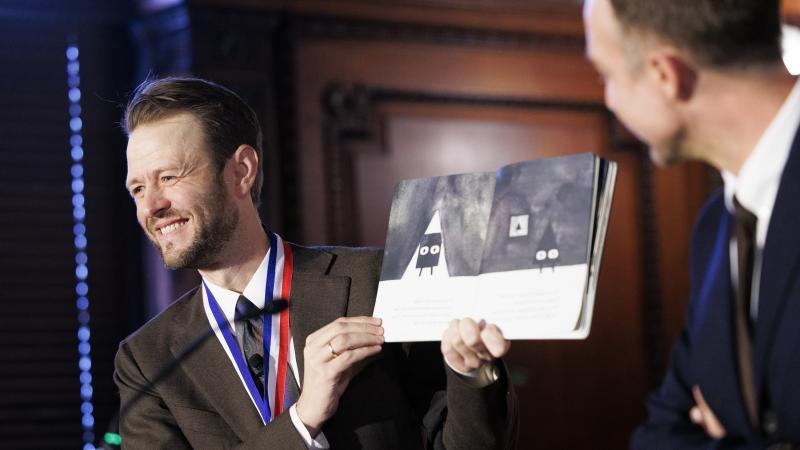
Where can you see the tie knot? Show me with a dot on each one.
(245, 309)
(743, 215)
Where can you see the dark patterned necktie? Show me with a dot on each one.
(249, 329)
(249, 325)
(745, 232)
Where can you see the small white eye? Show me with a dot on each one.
(541, 255)
(423, 250)
(553, 253)
(434, 249)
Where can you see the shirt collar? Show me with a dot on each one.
(757, 184)
(255, 289)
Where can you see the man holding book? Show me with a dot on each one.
(276, 348)
(704, 80)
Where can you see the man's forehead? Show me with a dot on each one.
(166, 142)
(602, 28)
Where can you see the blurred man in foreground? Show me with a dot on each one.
(704, 80)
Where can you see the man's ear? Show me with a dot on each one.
(672, 73)
(245, 169)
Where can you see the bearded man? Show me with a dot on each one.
(276, 348)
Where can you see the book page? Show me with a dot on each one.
(535, 264)
(533, 303)
(421, 310)
(512, 248)
(437, 228)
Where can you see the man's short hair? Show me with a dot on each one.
(729, 34)
(227, 120)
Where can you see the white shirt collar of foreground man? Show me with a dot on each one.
(756, 185)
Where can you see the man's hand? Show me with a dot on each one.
(703, 416)
(467, 345)
(331, 357)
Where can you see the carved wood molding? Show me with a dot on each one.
(319, 26)
(653, 311)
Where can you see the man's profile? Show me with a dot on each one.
(704, 80)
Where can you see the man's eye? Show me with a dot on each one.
(135, 190)
(168, 179)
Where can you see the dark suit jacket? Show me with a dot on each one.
(179, 389)
(705, 353)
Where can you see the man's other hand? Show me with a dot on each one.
(467, 345)
(703, 416)
(332, 356)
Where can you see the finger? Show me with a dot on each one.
(342, 325)
(709, 420)
(696, 416)
(470, 334)
(493, 339)
(471, 359)
(347, 360)
(350, 341)
(448, 337)
(355, 319)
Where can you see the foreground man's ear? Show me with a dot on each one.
(245, 167)
(674, 75)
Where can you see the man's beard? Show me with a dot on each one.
(211, 238)
(674, 150)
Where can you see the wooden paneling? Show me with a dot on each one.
(494, 71)
(569, 382)
(476, 106)
(561, 17)
(790, 9)
(678, 197)
(425, 140)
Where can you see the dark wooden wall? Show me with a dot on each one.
(356, 95)
(40, 391)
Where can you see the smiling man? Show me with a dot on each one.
(198, 203)
(276, 348)
(704, 80)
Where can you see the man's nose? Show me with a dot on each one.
(154, 203)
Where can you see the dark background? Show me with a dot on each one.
(354, 95)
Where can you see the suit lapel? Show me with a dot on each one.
(780, 263)
(714, 357)
(207, 365)
(317, 298)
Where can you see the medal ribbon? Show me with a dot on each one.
(262, 402)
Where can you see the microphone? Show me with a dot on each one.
(256, 363)
(275, 306)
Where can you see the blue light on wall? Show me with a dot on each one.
(80, 242)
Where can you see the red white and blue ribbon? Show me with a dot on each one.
(275, 334)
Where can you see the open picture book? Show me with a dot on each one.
(520, 248)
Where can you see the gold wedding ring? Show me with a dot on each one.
(333, 351)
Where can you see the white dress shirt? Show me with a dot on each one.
(756, 185)
(255, 292)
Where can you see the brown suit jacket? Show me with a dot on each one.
(178, 388)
